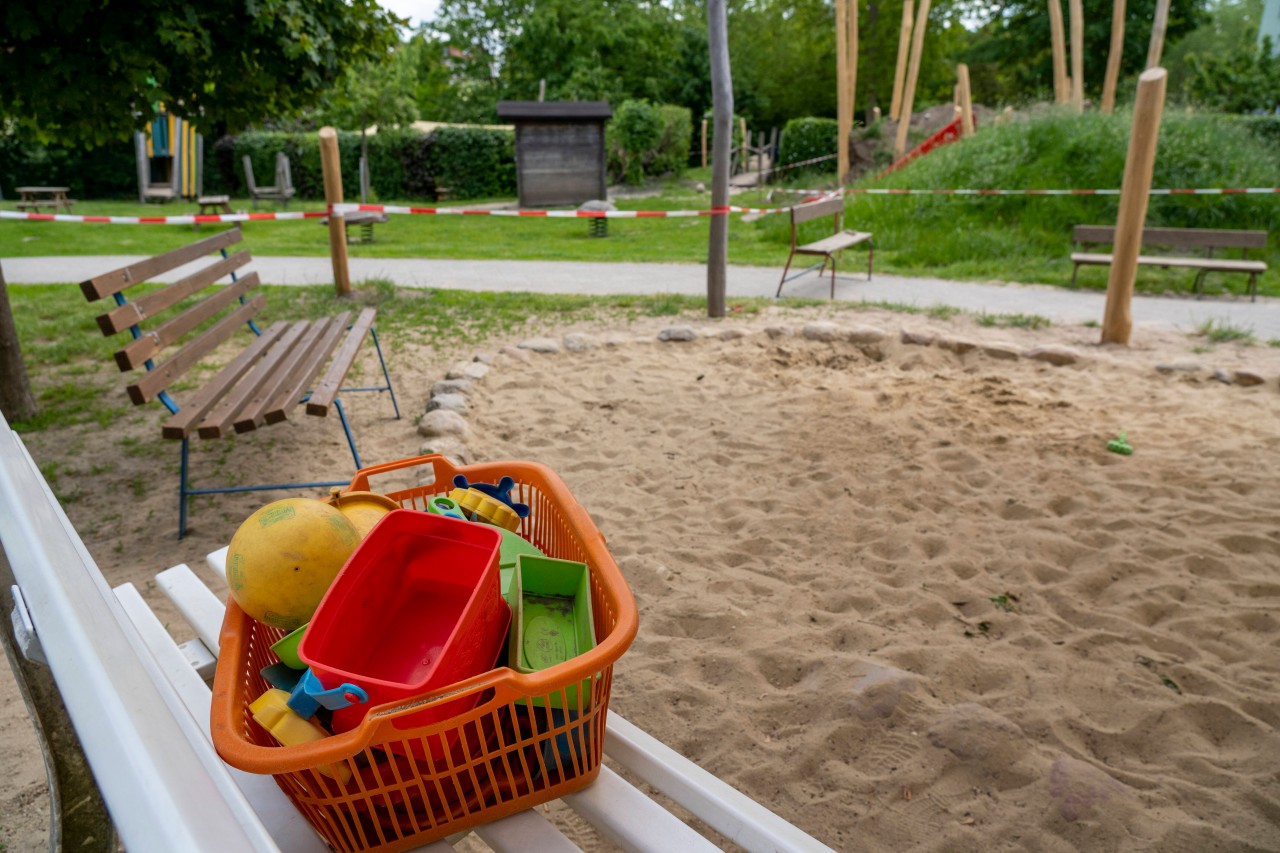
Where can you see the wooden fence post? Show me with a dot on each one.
(1117, 321)
(1114, 56)
(331, 166)
(704, 143)
(1060, 92)
(913, 75)
(844, 121)
(852, 62)
(900, 70)
(1077, 54)
(966, 100)
(1157, 33)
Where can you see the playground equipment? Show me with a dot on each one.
(170, 157)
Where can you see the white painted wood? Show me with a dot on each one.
(525, 831)
(139, 740)
(197, 603)
(726, 809)
(629, 818)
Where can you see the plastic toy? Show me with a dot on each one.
(552, 622)
(271, 711)
(443, 506)
(286, 648)
(513, 545)
(362, 509)
(502, 492)
(282, 676)
(416, 607)
(1120, 445)
(481, 507)
(309, 695)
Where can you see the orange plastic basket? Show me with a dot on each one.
(407, 785)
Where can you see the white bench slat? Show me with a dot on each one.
(285, 823)
(834, 243)
(525, 831)
(197, 603)
(724, 808)
(137, 737)
(627, 817)
(1212, 264)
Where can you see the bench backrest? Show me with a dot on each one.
(816, 210)
(1202, 238)
(176, 316)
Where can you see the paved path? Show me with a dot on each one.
(1058, 304)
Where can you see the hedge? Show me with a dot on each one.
(643, 139)
(806, 138)
(102, 173)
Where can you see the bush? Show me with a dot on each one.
(106, 172)
(806, 138)
(472, 162)
(1237, 82)
(646, 140)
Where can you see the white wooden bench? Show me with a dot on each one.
(828, 247)
(140, 704)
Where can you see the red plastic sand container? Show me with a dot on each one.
(416, 607)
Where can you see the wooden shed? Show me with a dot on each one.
(560, 155)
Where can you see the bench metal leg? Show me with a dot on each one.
(1253, 287)
(784, 275)
(387, 375)
(1074, 270)
(1198, 287)
(833, 276)
(871, 254)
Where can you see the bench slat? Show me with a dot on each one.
(253, 413)
(181, 424)
(524, 831)
(1219, 264)
(816, 210)
(134, 312)
(631, 820)
(117, 280)
(154, 381)
(1181, 237)
(136, 353)
(219, 420)
(304, 376)
(834, 243)
(323, 395)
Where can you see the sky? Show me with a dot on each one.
(417, 11)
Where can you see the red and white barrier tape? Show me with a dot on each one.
(214, 218)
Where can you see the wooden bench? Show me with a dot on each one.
(1207, 239)
(827, 247)
(139, 702)
(214, 204)
(278, 368)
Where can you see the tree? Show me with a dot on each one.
(89, 72)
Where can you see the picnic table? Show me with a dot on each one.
(34, 198)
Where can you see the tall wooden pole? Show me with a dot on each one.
(844, 121)
(1077, 54)
(704, 143)
(852, 63)
(913, 75)
(1157, 33)
(966, 100)
(331, 166)
(1061, 93)
(1135, 191)
(722, 142)
(900, 72)
(1113, 57)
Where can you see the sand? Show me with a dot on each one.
(902, 596)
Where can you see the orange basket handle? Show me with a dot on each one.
(444, 470)
(476, 684)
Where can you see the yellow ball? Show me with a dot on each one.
(284, 557)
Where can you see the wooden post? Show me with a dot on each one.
(332, 168)
(1157, 33)
(746, 153)
(1077, 54)
(966, 100)
(844, 121)
(1135, 191)
(900, 71)
(1114, 56)
(913, 75)
(875, 114)
(851, 64)
(1061, 94)
(704, 143)
(722, 118)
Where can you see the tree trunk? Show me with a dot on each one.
(721, 141)
(16, 401)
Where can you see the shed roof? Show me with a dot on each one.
(554, 110)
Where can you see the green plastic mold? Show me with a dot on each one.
(551, 620)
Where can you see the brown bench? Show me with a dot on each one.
(1207, 239)
(827, 247)
(277, 369)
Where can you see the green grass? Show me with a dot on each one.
(1220, 331)
(1013, 321)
